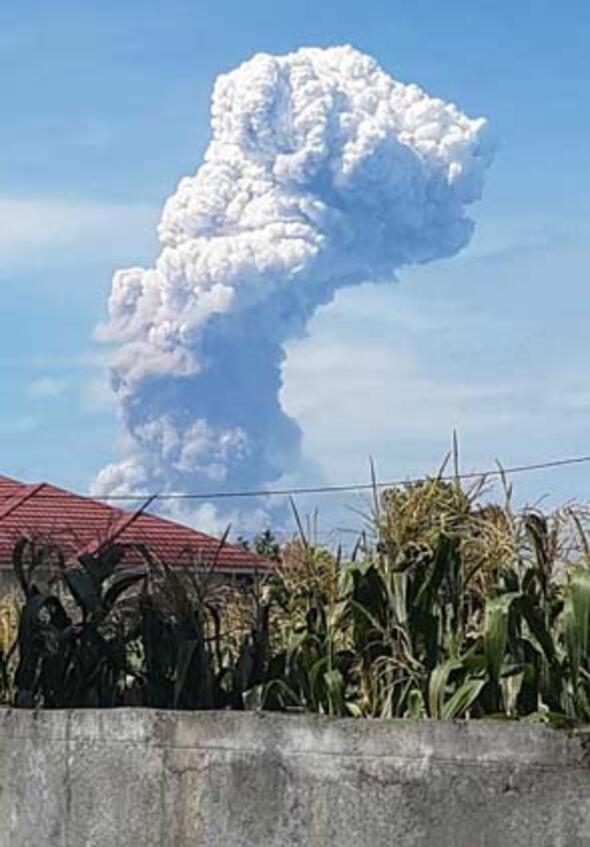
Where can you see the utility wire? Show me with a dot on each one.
(327, 489)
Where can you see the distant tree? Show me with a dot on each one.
(264, 544)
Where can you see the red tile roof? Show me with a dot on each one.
(81, 524)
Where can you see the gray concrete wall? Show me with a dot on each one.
(139, 778)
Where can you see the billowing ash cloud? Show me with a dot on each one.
(322, 172)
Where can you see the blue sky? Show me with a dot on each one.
(106, 107)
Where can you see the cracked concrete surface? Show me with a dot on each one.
(171, 779)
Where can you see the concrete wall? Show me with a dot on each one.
(146, 778)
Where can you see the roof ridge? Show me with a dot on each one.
(79, 520)
(79, 496)
(11, 479)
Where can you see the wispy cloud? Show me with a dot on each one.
(86, 380)
(47, 387)
(508, 239)
(386, 395)
(38, 233)
(85, 360)
(96, 395)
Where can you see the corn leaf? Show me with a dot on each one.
(437, 685)
(463, 698)
(496, 632)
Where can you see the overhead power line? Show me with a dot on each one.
(351, 487)
(332, 489)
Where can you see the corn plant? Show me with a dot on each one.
(455, 607)
(311, 664)
(70, 652)
(102, 635)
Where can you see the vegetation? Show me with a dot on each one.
(9, 617)
(448, 607)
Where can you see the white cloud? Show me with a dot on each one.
(46, 387)
(388, 386)
(85, 360)
(96, 395)
(385, 395)
(38, 233)
(87, 380)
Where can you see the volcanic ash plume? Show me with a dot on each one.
(322, 172)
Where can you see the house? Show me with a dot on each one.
(78, 524)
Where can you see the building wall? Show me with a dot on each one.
(147, 778)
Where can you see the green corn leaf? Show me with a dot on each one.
(334, 682)
(18, 562)
(579, 587)
(497, 611)
(511, 685)
(444, 553)
(84, 589)
(545, 716)
(463, 698)
(366, 614)
(253, 699)
(576, 610)
(277, 695)
(123, 584)
(437, 684)
(354, 710)
(570, 634)
(400, 592)
(416, 708)
(538, 628)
